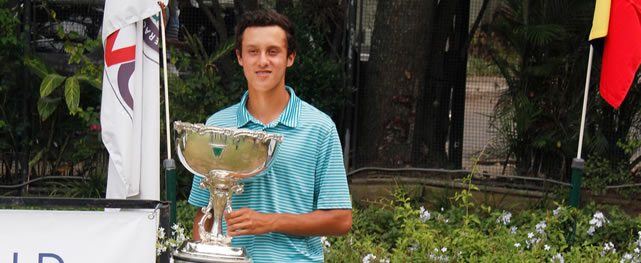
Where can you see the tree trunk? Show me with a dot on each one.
(441, 103)
(395, 76)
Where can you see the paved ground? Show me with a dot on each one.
(481, 97)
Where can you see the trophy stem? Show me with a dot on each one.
(221, 186)
(220, 199)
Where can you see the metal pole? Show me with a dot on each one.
(585, 102)
(169, 164)
(165, 83)
(578, 164)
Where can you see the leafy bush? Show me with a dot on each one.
(601, 172)
(185, 214)
(402, 232)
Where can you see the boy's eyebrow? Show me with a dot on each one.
(268, 47)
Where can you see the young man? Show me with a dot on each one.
(282, 213)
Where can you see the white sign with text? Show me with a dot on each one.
(39, 236)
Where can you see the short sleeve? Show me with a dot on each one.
(331, 188)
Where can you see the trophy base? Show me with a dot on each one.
(198, 252)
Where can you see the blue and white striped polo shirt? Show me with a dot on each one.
(308, 174)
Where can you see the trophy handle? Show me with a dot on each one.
(238, 188)
(204, 235)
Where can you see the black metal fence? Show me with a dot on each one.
(456, 120)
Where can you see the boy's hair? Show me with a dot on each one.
(266, 17)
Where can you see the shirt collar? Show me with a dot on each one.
(289, 117)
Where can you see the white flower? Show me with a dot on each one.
(591, 230)
(530, 235)
(447, 221)
(325, 242)
(517, 245)
(444, 249)
(556, 211)
(164, 242)
(627, 256)
(441, 258)
(608, 247)
(161, 233)
(540, 227)
(504, 218)
(385, 260)
(367, 258)
(442, 209)
(424, 215)
(558, 257)
(598, 220)
(413, 247)
(535, 240)
(546, 247)
(637, 250)
(513, 229)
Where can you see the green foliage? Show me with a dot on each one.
(601, 172)
(539, 48)
(316, 73)
(9, 26)
(196, 91)
(185, 214)
(55, 87)
(92, 186)
(482, 234)
(11, 48)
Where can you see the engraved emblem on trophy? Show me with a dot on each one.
(221, 156)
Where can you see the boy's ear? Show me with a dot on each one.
(239, 57)
(290, 59)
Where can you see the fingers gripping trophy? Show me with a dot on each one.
(222, 156)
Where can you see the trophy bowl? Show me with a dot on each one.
(222, 157)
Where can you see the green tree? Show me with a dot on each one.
(540, 48)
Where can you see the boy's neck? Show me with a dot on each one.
(268, 105)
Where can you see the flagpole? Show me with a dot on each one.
(169, 164)
(585, 101)
(578, 163)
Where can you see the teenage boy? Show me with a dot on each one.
(282, 213)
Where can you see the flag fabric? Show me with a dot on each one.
(601, 19)
(130, 107)
(619, 23)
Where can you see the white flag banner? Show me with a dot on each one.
(78, 236)
(130, 111)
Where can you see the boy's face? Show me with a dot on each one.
(264, 57)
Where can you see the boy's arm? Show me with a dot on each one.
(246, 221)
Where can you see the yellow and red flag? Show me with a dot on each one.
(619, 23)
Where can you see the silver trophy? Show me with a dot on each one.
(222, 156)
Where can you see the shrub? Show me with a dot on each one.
(402, 232)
